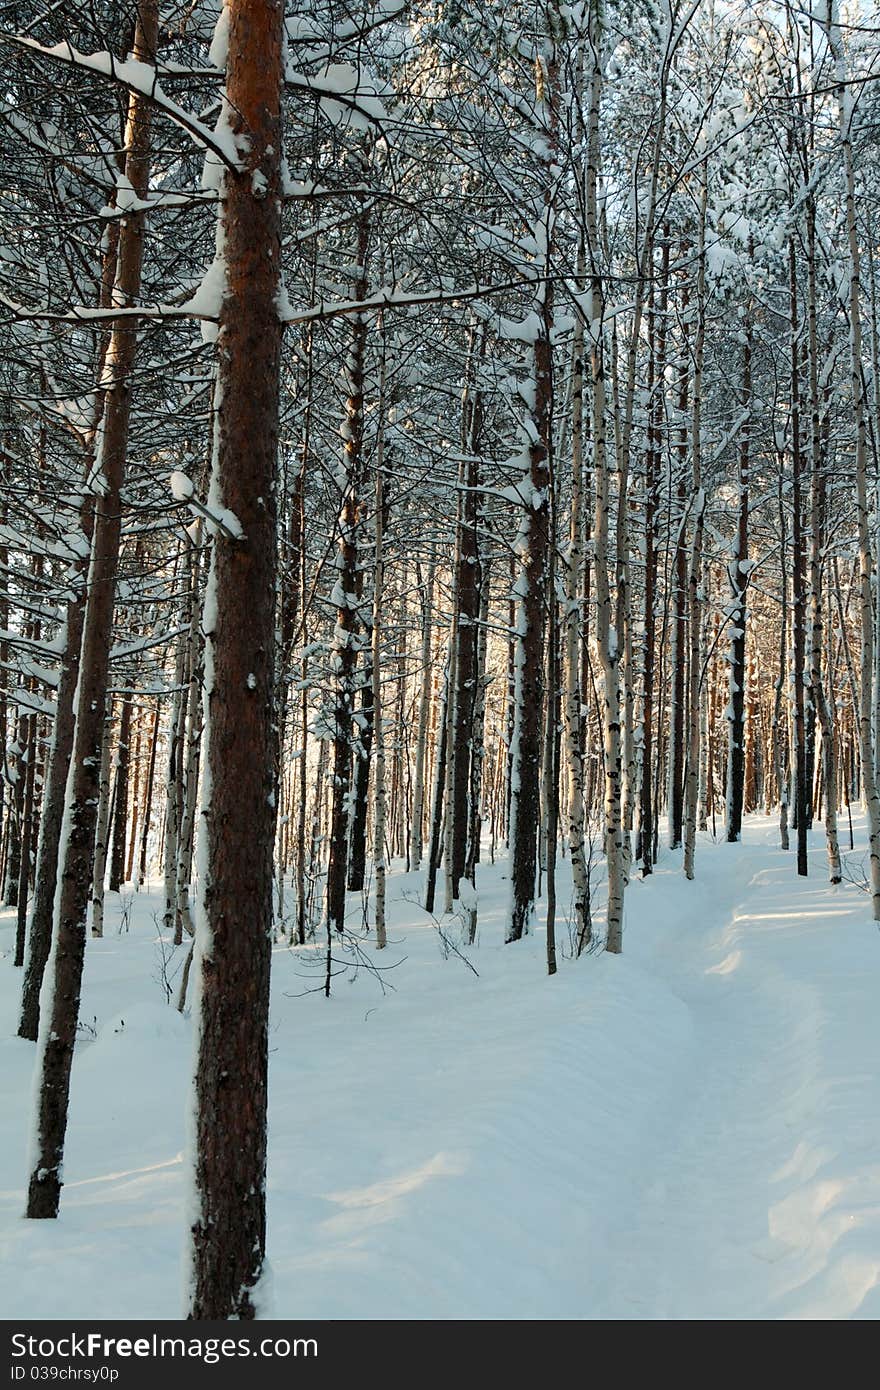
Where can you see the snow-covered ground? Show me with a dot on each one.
(690, 1130)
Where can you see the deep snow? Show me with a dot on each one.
(690, 1130)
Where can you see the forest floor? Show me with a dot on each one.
(690, 1130)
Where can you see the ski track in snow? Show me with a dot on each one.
(763, 1199)
(689, 1131)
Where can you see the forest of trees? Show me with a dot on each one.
(431, 432)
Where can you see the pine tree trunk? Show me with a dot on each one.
(606, 632)
(234, 909)
(468, 598)
(102, 828)
(535, 544)
(695, 607)
(437, 799)
(59, 756)
(58, 1028)
(346, 642)
(657, 366)
(527, 741)
(478, 750)
(551, 754)
(780, 742)
(678, 635)
(798, 587)
(174, 782)
(738, 575)
(426, 589)
(866, 604)
(27, 822)
(573, 638)
(120, 800)
(451, 687)
(189, 758)
(823, 706)
(16, 819)
(380, 798)
(148, 798)
(60, 752)
(138, 785)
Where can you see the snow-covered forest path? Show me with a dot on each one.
(761, 1195)
(689, 1130)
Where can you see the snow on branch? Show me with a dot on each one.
(142, 78)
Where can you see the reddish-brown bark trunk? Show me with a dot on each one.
(234, 919)
(58, 1031)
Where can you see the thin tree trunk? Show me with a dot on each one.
(120, 801)
(798, 587)
(678, 635)
(468, 599)
(574, 637)
(102, 828)
(347, 599)
(27, 821)
(138, 784)
(779, 740)
(438, 797)
(174, 785)
(606, 632)
(738, 572)
(869, 782)
(426, 588)
(58, 1027)
(551, 755)
(189, 756)
(695, 608)
(823, 707)
(478, 751)
(148, 798)
(536, 541)
(379, 791)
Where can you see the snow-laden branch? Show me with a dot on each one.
(142, 78)
(203, 307)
